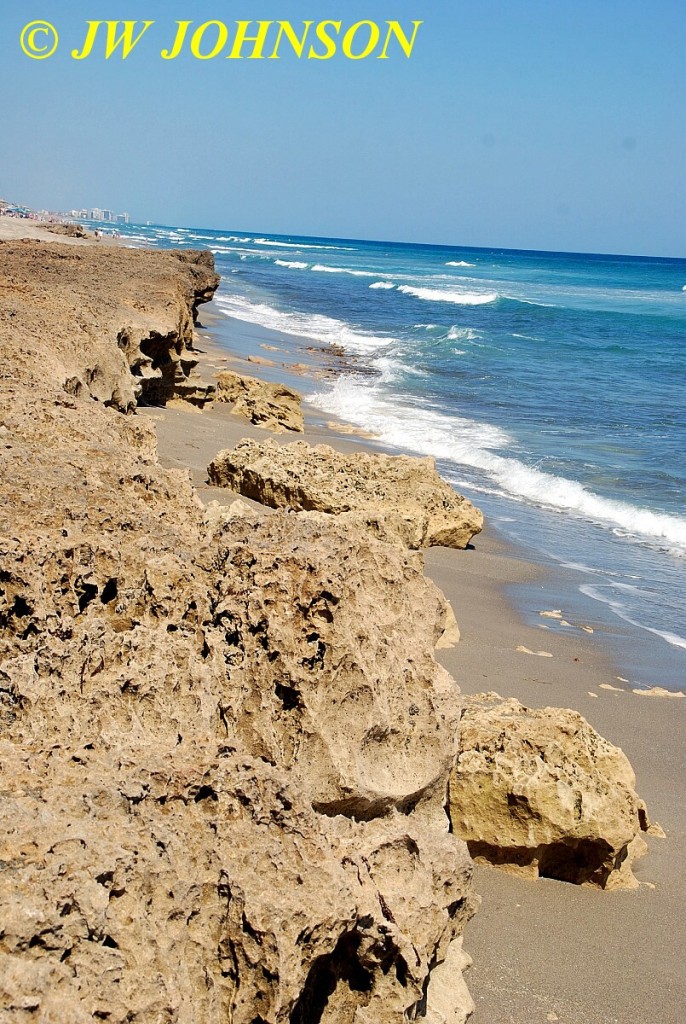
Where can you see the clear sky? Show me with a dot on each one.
(546, 124)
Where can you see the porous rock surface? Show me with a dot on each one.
(540, 793)
(223, 757)
(119, 321)
(275, 407)
(395, 497)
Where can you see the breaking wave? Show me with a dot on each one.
(466, 442)
(439, 295)
(316, 327)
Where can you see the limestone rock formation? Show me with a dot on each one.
(273, 406)
(397, 498)
(223, 755)
(120, 320)
(70, 230)
(539, 792)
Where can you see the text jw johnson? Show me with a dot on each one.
(252, 40)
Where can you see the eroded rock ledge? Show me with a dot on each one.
(223, 760)
(395, 497)
(113, 324)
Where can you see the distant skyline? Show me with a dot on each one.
(530, 125)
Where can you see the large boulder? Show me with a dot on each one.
(395, 497)
(540, 793)
(275, 407)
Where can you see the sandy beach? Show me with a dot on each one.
(543, 950)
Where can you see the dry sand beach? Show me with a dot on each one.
(542, 950)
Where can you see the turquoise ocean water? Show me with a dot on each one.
(551, 388)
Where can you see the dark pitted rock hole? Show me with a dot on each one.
(289, 697)
(87, 592)
(109, 591)
(576, 862)
(21, 608)
(340, 967)
(206, 793)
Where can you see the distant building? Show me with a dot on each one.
(108, 215)
(96, 214)
(122, 218)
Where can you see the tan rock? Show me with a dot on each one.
(260, 361)
(539, 792)
(348, 428)
(273, 406)
(119, 321)
(659, 691)
(396, 498)
(70, 230)
(325, 683)
(223, 755)
(447, 998)
(450, 636)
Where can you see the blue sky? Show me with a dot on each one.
(516, 123)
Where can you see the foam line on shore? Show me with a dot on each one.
(594, 592)
(316, 327)
(469, 443)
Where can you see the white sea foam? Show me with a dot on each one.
(240, 250)
(392, 369)
(459, 263)
(418, 429)
(620, 609)
(530, 302)
(323, 269)
(469, 443)
(292, 264)
(317, 327)
(382, 284)
(439, 295)
(298, 245)
(462, 334)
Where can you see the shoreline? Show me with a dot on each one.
(633, 649)
(542, 950)
(563, 949)
(642, 654)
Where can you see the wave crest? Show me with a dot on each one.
(469, 443)
(317, 327)
(439, 295)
